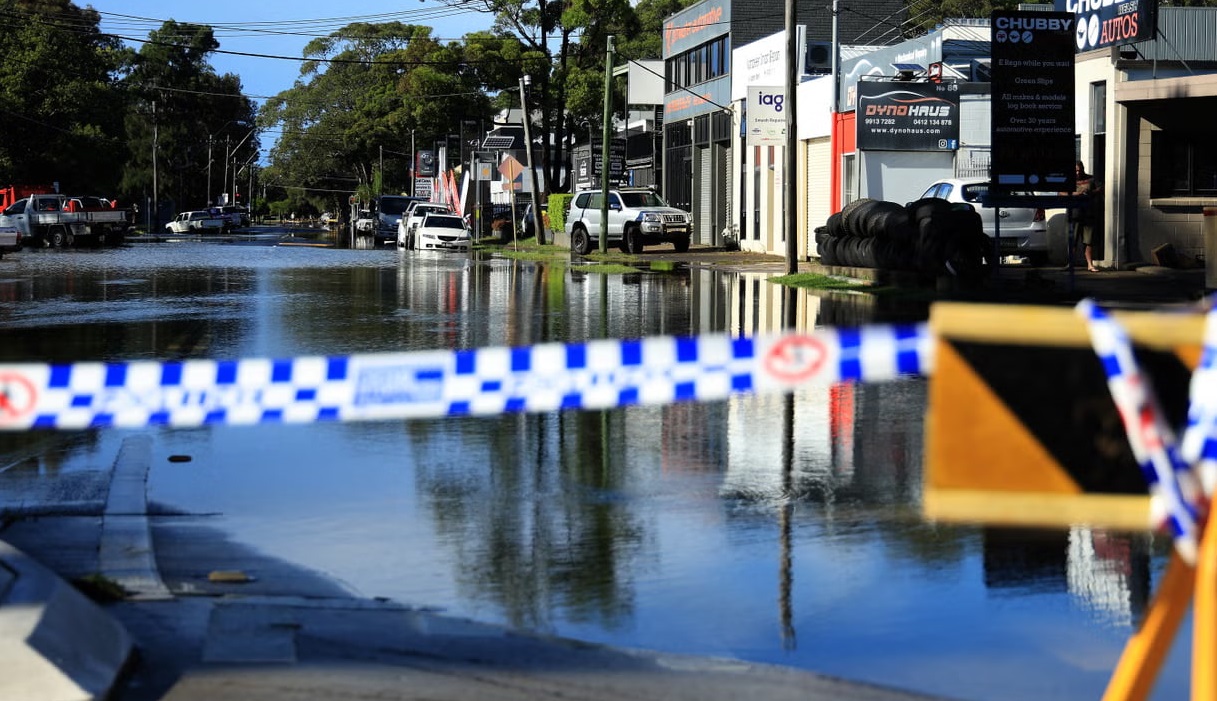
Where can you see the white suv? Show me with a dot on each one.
(637, 217)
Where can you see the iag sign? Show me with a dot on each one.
(1103, 23)
(766, 116)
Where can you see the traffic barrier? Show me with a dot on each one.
(597, 374)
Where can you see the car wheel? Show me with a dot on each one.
(57, 238)
(681, 244)
(580, 241)
(633, 240)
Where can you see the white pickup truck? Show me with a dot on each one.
(197, 222)
(64, 220)
(10, 240)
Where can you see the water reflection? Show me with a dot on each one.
(780, 529)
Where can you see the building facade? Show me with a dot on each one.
(702, 162)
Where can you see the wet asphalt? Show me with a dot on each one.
(204, 629)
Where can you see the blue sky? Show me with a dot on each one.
(277, 28)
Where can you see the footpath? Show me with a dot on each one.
(101, 600)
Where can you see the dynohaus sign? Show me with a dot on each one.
(902, 116)
(1103, 23)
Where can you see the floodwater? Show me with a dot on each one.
(777, 529)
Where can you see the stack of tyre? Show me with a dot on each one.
(930, 236)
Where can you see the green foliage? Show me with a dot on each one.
(556, 208)
(203, 127)
(62, 115)
(368, 96)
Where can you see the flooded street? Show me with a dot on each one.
(777, 529)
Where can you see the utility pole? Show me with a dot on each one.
(209, 170)
(155, 201)
(227, 158)
(532, 172)
(413, 163)
(790, 179)
(604, 154)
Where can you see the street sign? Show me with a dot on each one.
(1021, 427)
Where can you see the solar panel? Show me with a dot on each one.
(498, 142)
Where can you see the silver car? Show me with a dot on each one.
(1024, 230)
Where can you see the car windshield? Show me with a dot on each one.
(443, 221)
(393, 205)
(642, 199)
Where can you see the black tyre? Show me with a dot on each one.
(633, 240)
(580, 242)
(681, 244)
(57, 238)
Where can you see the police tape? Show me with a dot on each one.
(596, 374)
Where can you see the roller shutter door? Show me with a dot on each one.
(818, 192)
(723, 173)
(705, 204)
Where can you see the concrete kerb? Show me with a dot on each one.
(55, 644)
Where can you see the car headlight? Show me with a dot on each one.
(651, 217)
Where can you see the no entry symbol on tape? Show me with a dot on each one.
(796, 358)
(17, 395)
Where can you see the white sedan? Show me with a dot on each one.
(1024, 230)
(442, 232)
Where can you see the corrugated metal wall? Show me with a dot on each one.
(1184, 33)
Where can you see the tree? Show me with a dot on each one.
(194, 122)
(562, 45)
(364, 94)
(61, 112)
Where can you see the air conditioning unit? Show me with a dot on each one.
(819, 58)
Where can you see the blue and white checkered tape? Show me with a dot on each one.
(596, 374)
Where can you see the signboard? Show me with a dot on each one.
(766, 119)
(1021, 428)
(422, 187)
(588, 164)
(426, 164)
(904, 116)
(1100, 24)
(1033, 114)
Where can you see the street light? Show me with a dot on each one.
(525, 82)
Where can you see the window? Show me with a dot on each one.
(1098, 108)
(1183, 164)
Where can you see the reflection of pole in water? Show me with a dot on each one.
(785, 527)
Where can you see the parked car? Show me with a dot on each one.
(637, 217)
(442, 232)
(526, 220)
(389, 213)
(413, 217)
(234, 216)
(1024, 230)
(196, 222)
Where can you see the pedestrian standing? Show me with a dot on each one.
(1082, 215)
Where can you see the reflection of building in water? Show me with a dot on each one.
(1105, 571)
(856, 441)
(1109, 572)
(756, 306)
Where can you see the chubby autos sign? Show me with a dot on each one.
(904, 116)
(1102, 23)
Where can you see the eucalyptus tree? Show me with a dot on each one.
(61, 112)
(188, 127)
(562, 45)
(368, 95)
